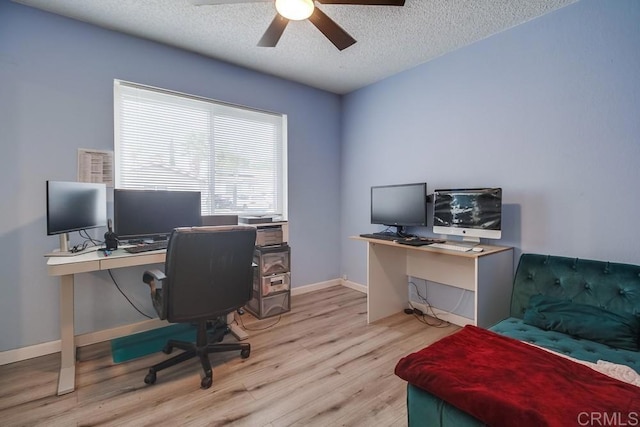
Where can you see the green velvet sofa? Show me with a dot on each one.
(594, 305)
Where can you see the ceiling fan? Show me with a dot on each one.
(305, 9)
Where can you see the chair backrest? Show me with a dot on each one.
(209, 271)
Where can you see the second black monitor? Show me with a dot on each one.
(153, 214)
(399, 205)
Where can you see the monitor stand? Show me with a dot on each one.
(471, 240)
(400, 232)
(64, 242)
(467, 242)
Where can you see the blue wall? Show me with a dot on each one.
(56, 95)
(549, 111)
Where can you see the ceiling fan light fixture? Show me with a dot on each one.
(296, 10)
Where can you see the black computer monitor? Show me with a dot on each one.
(153, 214)
(399, 205)
(74, 206)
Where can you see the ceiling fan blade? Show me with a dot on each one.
(215, 2)
(365, 2)
(274, 32)
(339, 37)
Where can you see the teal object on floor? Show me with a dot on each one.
(149, 342)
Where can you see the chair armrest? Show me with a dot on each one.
(154, 274)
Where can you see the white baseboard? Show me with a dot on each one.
(29, 352)
(329, 283)
(299, 290)
(355, 286)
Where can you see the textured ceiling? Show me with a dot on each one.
(390, 39)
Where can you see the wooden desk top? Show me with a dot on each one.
(97, 260)
(487, 249)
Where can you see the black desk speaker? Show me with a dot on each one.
(110, 238)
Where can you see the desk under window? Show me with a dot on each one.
(66, 268)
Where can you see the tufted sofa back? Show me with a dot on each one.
(608, 285)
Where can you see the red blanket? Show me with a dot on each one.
(504, 382)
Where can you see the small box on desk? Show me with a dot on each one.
(254, 219)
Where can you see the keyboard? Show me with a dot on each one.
(409, 241)
(381, 236)
(146, 247)
(450, 247)
(416, 242)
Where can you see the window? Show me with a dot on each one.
(235, 156)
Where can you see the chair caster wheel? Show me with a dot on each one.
(206, 382)
(167, 349)
(150, 378)
(245, 353)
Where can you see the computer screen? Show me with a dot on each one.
(472, 213)
(74, 206)
(399, 205)
(153, 214)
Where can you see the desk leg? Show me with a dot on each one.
(235, 329)
(67, 378)
(387, 285)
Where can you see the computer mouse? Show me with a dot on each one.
(477, 249)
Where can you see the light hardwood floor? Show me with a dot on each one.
(320, 365)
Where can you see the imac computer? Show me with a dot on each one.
(153, 214)
(74, 206)
(399, 206)
(471, 213)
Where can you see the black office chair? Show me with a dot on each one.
(208, 274)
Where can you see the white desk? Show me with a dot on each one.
(66, 268)
(488, 274)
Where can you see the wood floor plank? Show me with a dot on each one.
(321, 364)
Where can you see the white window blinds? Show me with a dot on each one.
(235, 156)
